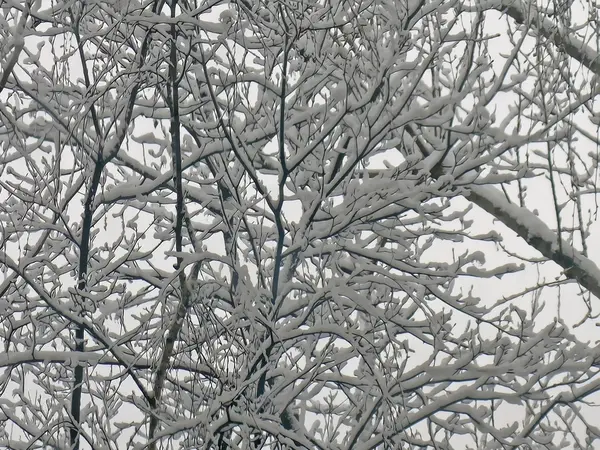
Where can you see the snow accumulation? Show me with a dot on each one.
(531, 228)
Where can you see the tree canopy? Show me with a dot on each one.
(345, 225)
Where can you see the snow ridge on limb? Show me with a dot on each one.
(537, 234)
(522, 221)
(528, 226)
(565, 40)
